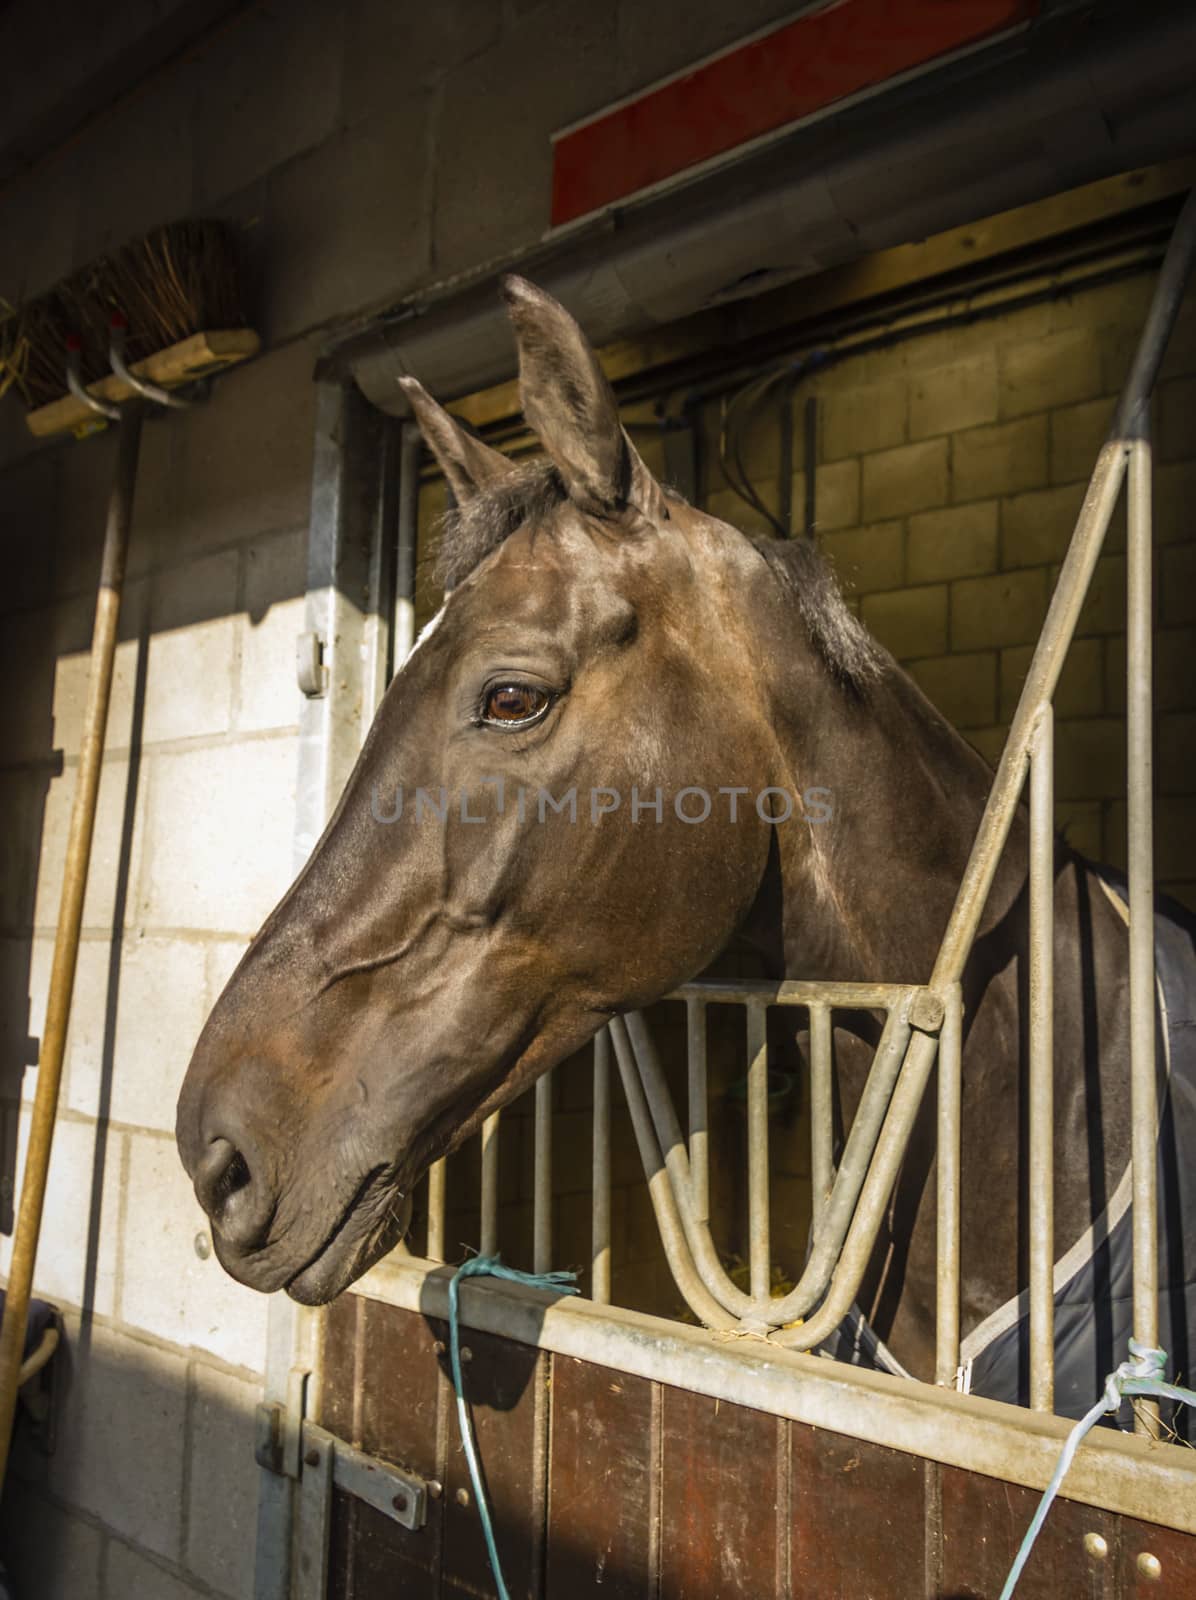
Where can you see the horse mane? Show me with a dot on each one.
(848, 650)
(471, 531)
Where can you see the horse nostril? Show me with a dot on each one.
(221, 1174)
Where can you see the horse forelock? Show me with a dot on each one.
(471, 531)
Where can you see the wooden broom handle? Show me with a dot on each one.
(70, 918)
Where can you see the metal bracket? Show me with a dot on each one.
(926, 1011)
(329, 1463)
(310, 671)
(268, 1422)
(118, 331)
(74, 382)
(401, 1496)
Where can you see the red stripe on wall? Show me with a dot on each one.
(766, 84)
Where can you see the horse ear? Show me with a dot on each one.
(467, 463)
(571, 406)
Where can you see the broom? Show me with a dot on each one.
(163, 294)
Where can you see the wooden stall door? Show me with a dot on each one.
(605, 1486)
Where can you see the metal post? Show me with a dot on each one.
(873, 1201)
(408, 522)
(946, 1360)
(1042, 1066)
(671, 1144)
(436, 1209)
(489, 1228)
(342, 575)
(672, 1232)
(699, 1153)
(1066, 602)
(822, 1108)
(542, 1181)
(600, 1202)
(858, 1154)
(1139, 793)
(759, 1251)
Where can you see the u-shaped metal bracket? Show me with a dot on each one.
(74, 382)
(153, 392)
(117, 334)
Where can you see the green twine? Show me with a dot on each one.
(489, 1267)
(1143, 1374)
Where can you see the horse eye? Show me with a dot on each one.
(509, 704)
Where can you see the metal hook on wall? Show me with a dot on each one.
(74, 382)
(118, 330)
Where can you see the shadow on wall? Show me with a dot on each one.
(208, 619)
(152, 1487)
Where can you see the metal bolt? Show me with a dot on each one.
(203, 1246)
(466, 1354)
(462, 1497)
(399, 1502)
(312, 1458)
(438, 1348)
(435, 1488)
(1096, 1545)
(1150, 1566)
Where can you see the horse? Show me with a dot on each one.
(597, 768)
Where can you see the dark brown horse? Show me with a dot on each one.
(463, 925)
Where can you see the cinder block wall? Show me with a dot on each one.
(366, 148)
(152, 1487)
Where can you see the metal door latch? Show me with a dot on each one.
(329, 1463)
(399, 1495)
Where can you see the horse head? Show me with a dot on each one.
(567, 805)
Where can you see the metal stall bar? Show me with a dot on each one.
(1139, 790)
(898, 1001)
(436, 1207)
(410, 448)
(822, 1108)
(660, 1190)
(1042, 1064)
(861, 1141)
(699, 1244)
(849, 1269)
(757, 1139)
(542, 1180)
(947, 1181)
(699, 1149)
(600, 1193)
(489, 1228)
(872, 1115)
(1070, 592)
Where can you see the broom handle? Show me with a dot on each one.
(70, 917)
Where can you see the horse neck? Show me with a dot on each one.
(865, 895)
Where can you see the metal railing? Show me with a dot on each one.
(922, 1022)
